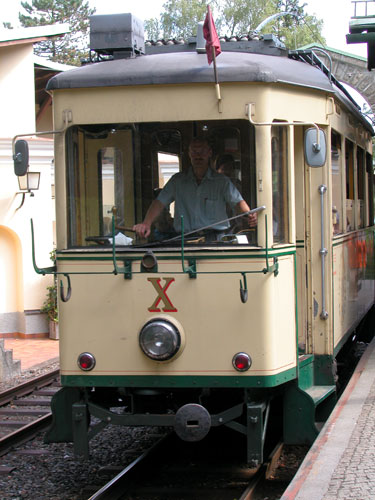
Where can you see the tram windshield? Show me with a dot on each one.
(116, 171)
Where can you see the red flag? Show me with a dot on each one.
(210, 35)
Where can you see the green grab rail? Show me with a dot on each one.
(127, 271)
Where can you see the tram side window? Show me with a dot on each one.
(168, 165)
(336, 173)
(370, 188)
(361, 187)
(349, 169)
(280, 197)
(227, 153)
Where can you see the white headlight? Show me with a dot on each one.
(160, 340)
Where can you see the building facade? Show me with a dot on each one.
(25, 108)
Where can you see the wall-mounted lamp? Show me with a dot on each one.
(27, 184)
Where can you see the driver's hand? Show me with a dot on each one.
(252, 219)
(143, 230)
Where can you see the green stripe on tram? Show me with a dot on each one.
(182, 381)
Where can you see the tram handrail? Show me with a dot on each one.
(323, 251)
(67, 117)
(249, 107)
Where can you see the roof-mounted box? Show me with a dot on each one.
(117, 35)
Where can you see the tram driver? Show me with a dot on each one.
(200, 194)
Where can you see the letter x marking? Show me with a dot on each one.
(162, 295)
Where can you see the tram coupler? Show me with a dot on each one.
(192, 422)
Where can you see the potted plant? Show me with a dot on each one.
(49, 306)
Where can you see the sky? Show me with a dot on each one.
(335, 14)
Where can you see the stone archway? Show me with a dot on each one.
(350, 69)
(11, 288)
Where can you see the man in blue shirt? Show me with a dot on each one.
(201, 195)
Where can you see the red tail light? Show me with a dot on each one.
(86, 361)
(241, 361)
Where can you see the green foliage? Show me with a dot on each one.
(153, 28)
(179, 19)
(236, 17)
(49, 306)
(298, 29)
(70, 48)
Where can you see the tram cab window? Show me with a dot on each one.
(336, 173)
(115, 171)
(360, 187)
(350, 193)
(280, 204)
(100, 179)
(110, 193)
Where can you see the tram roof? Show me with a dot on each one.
(191, 67)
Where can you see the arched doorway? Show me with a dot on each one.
(11, 289)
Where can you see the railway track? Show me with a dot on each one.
(163, 472)
(25, 410)
(153, 476)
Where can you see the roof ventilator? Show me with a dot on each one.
(116, 36)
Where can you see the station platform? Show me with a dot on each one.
(33, 352)
(341, 462)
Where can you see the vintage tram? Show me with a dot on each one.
(186, 331)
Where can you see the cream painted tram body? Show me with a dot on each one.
(192, 333)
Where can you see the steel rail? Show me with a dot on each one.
(24, 434)
(114, 489)
(264, 471)
(27, 387)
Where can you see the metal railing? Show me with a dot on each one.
(362, 5)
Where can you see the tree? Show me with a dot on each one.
(178, 20)
(236, 17)
(298, 29)
(70, 48)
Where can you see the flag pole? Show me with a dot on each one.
(212, 48)
(217, 85)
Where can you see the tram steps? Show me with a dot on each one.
(309, 400)
(319, 393)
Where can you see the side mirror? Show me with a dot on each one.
(315, 152)
(21, 157)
